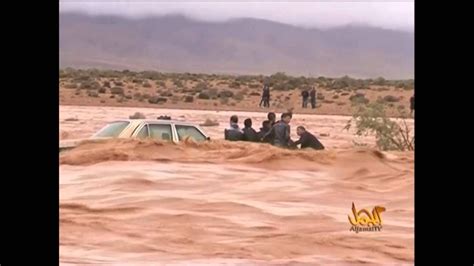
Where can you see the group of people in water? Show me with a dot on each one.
(308, 96)
(274, 132)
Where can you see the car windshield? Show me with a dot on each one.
(112, 130)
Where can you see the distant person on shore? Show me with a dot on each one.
(266, 96)
(312, 95)
(280, 132)
(305, 95)
(262, 100)
(249, 133)
(233, 133)
(266, 127)
(307, 140)
(412, 104)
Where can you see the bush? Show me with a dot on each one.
(160, 84)
(137, 81)
(389, 134)
(156, 99)
(178, 83)
(254, 94)
(102, 90)
(238, 97)
(235, 85)
(137, 115)
(204, 96)
(90, 85)
(226, 93)
(209, 123)
(391, 99)
(341, 103)
(320, 96)
(146, 85)
(93, 94)
(224, 101)
(71, 86)
(112, 96)
(166, 94)
(358, 98)
(189, 99)
(116, 90)
(335, 96)
(254, 86)
(345, 94)
(106, 84)
(118, 83)
(128, 97)
(328, 101)
(137, 96)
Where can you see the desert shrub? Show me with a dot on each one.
(117, 90)
(254, 86)
(178, 83)
(379, 81)
(232, 104)
(200, 87)
(328, 101)
(391, 99)
(137, 81)
(320, 96)
(71, 86)
(389, 134)
(102, 90)
(204, 96)
(160, 84)
(166, 94)
(128, 97)
(345, 93)
(189, 99)
(358, 98)
(146, 84)
(238, 96)
(90, 85)
(335, 96)
(112, 96)
(156, 99)
(137, 96)
(106, 84)
(226, 93)
(224, 101)
(137, 115)
(235, 85)
(341, 103)
(254, 94)
(118, 83)
(93, 94)
(209, 123)
(146, 96)
(102, 101)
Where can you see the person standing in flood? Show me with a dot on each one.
(249, 133)
(280, 132)
(312, 96)
(233, 133)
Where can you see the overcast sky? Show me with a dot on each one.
(320, 14)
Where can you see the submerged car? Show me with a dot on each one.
(165, 130)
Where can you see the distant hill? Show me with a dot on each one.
(243, 46)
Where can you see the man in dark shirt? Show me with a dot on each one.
(307, 140)
(272, 118)
(280, 132)
(249, 133)
(264, 130)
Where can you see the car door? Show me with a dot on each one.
(188, 131)
(156, 131)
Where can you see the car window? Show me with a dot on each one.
(143, 133)
(189, 131)
(112, 130)
(161, 132)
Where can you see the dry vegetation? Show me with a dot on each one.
(226, 92)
